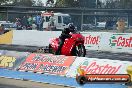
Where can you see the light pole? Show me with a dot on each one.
(82, 21)
(96, 3)
(95, 20)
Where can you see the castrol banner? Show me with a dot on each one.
(121, 42)
(92, 40)
(98, 66)
(105, 41)
(47, 63)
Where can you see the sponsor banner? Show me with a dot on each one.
(98, 66)
(47, 63)
(92, 40)
(77, 63)
(103, 78)
(6, 38)
(105, 41)
(12, 59)
(7, 61)
(121, 42)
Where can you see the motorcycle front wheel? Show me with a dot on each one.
(79, 50)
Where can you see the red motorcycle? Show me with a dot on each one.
(73, 46)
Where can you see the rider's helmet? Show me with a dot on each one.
(71, 27)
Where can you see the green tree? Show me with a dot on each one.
(2, 16)
(60, 3)
(23, 2)
(5, 2)
(125, 3)
(17, 2)
(76, 3)
(38, 3)
(118, 4)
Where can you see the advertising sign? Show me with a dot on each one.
(7, 61)
(121, 42)
(105, 41)
(103, 78)
(47, 63)
(98, 66)
(92, 40)
(11, 59)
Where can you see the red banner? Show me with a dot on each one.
(47, 63)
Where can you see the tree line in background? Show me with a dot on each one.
(95, 3)
(22, 2)
(72, 3)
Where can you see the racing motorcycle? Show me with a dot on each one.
(73, 46)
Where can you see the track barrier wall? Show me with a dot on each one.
(33, 38)
(59, 67)
(66, 65)
(2, 52)
(60, 64)
(104, 41)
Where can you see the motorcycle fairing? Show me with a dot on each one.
(68, 46)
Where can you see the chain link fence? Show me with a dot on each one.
(107, 22)
(99, 20)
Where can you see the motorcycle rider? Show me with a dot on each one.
(65, 34)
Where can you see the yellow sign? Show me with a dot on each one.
(6, 61)
(6, 38)
(129, 71)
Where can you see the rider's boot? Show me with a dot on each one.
(58, 52)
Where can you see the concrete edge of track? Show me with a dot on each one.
(35, 81)
(25, 79)
(115, 42)
(63, 81)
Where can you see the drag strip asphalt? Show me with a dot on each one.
(13, 83)
(89, 53)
